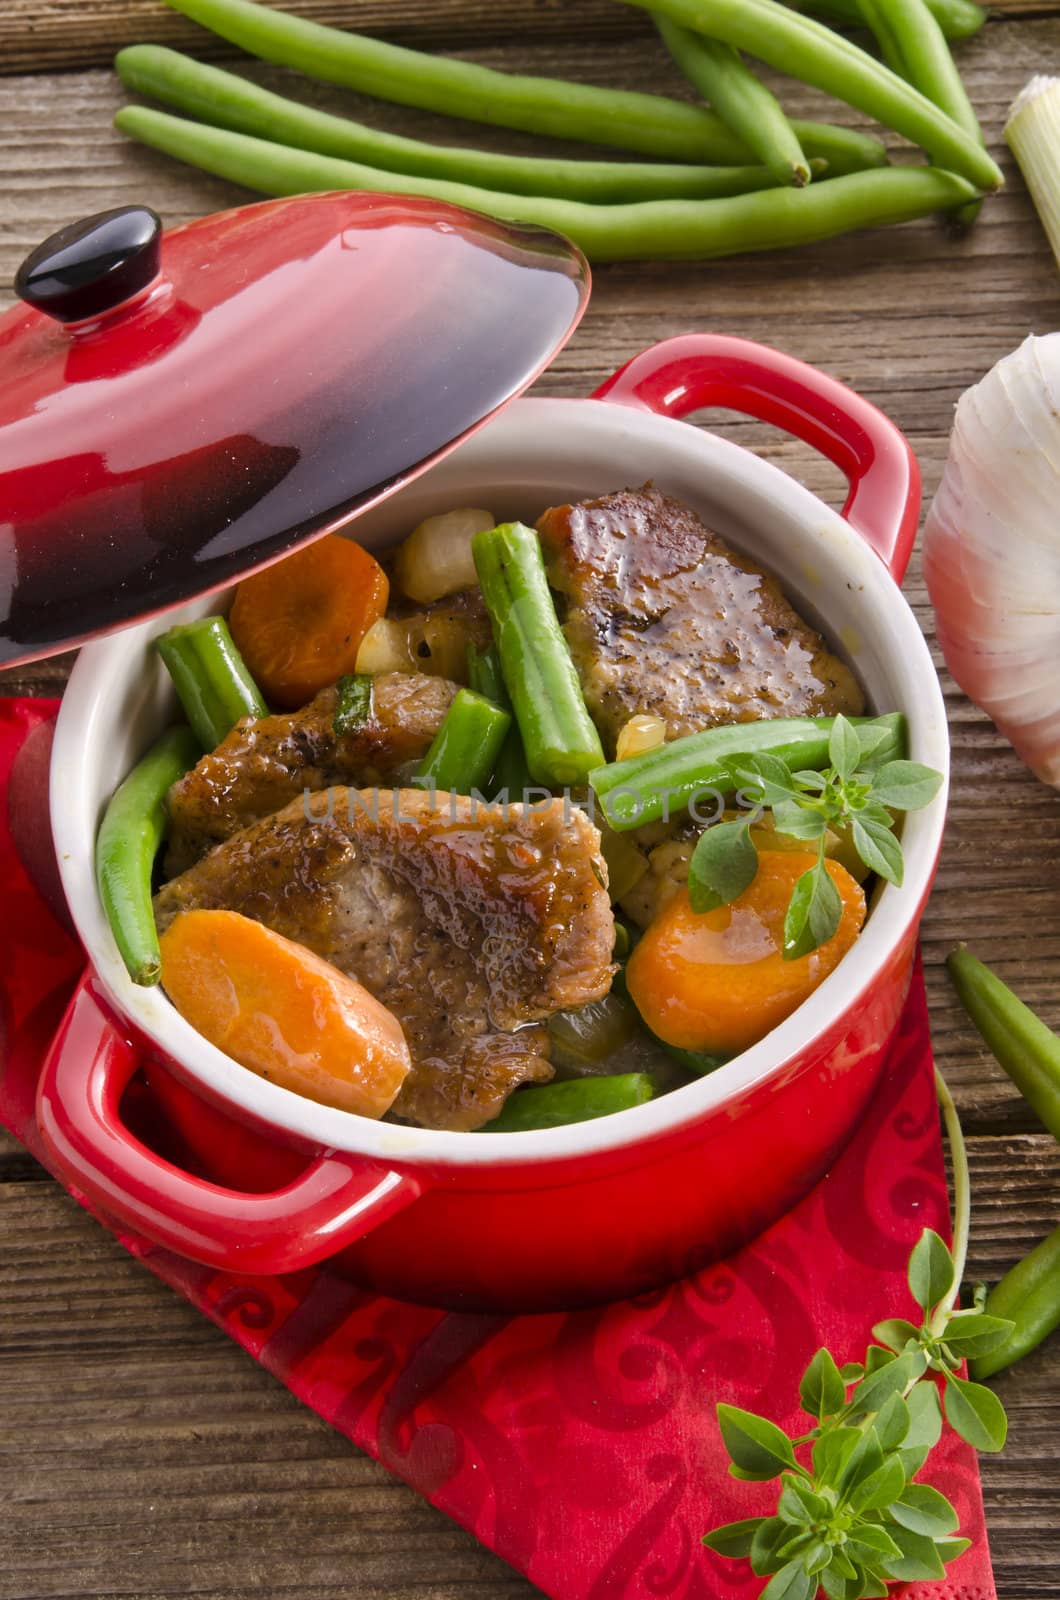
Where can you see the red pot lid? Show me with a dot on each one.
(178, 409)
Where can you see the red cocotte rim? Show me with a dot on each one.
(862, 552)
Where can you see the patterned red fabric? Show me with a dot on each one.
(583, 1448)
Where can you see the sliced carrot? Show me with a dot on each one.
(299, 624)
(718, 981)
(284, 1013)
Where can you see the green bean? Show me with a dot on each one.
(915, 47)
(227, 101)
(958, 19)
(663, 783)
(813, 53)
(755, 115)
(652, 230)
(1029, 1297)
(648, 123)
(553, 1105)
(210, 677)
(485, 676)
(353, 708)
(127, 843)
(559, 738)
(466, 746)
(1023, 1045)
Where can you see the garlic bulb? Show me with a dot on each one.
(992, 550)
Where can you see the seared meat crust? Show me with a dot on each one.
(662, 617)
(262, 766)
(471, 925)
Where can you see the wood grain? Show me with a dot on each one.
(141, 1454)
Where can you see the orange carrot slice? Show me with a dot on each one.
(299, 624)
(284, 1013)
(718, 981)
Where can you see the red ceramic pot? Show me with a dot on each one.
(271, 1182)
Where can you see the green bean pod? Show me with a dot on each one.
(1029, 1297)
(665, 781)
(553, 1105)
(1023, 1045)
(958, 19)
(651, 230)
(809, 51)
(227, 101)
(628, 120)
(915, 47)
(485, 676)
(753, 113)
(559, 738)
(465, 748)
(129, 836)
(210, 677)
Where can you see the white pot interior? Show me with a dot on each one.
(536, 453)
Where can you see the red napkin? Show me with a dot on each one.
(583, 1448)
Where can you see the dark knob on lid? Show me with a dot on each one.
(93, 265)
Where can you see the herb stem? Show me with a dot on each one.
(962, 1200)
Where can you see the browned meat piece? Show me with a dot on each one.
(262, 766)
(663, 617)
(468, 925)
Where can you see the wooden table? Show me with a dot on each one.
(143, 1454)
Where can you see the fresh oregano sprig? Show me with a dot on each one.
(850, 1519)
(855, 794)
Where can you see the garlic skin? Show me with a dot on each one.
(992, 550)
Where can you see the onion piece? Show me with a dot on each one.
(435, 560)
(992, 550)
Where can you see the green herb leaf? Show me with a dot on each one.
(895, 1333)
(851, 1371)
(879, 1488)
(790, 1507)
(868, 1541)
(735, 1538)
(905, 785)
(353, 705)
(756, 1445)
(813, 913)
(976, 1413)
(913, 1458)
(790, 1583)
(765, 1544)
(925, 1416)
(844, 747)
(888, 1379)
(822, 1391)
(723, 865)
(922, 1509)
(976, 1334)
(871, 737)
(799, 821)
(930, 1270)
(919, 1558)
(875, 1358)
(892, 1422)
(950, 1549)
(865, 1458)
(879, 849)
(816, 782)
(831, 1452)
(769, 775)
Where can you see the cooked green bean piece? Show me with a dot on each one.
(559, 738)
(354, 706)
(129, 836)
(227, 101)
(464, 750)
(1029, 1297)
(915, 47)
(809, 51)
(485, 676)
(653, 230)
(575, 1100)
(647, 123)
(210, 677)
(583, 1038)
(742, 101)
(958, 19)
(664, 782)
(1023, 1045)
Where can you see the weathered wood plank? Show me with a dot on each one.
(51, 35)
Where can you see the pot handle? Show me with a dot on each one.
(335, 1201)
(712, 369)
